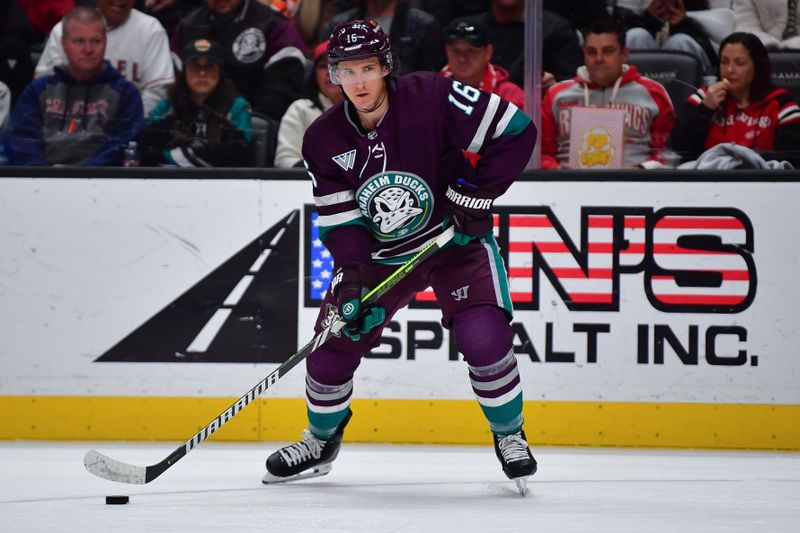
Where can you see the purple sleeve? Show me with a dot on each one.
(341, 224)
(494, 128)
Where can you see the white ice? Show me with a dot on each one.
(386, 488)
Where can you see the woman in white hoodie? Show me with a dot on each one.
(320, 95)
(775, 22)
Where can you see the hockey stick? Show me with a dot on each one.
(113, 470)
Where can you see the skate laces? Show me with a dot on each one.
(309, 447)
(513, 448)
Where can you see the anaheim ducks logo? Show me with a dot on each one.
(250, 45)
(397, 204)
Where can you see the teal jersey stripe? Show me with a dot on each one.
(325, 230)
(323, 426)
(507, 418)
(502, 273)
(517, 124)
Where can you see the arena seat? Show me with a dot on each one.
(679, 72)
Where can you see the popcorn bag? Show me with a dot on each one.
(596, 137)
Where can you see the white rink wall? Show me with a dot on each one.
(603, 314)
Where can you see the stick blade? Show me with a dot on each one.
(107, 468)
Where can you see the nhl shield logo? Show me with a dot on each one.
(397, 204)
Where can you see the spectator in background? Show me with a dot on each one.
(416, 36)
(561, 51)
(85, 113)
(743, 107)
(24, 25)
(203, 122)
(774, 22)
(653, 24)
(263, 51)
(446, 10)
(313, 15)
(137, 47)
(168, 12)
(468, 52)
(319, 95)
(579, 13)
(44, 14)
(607, 81)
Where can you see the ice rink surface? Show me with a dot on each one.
(387, 488)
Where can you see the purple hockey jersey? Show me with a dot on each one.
(391, 181)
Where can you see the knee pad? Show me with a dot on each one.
(482, 334)
(332, 365)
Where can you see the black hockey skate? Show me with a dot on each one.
(516, 458)
(311, 457)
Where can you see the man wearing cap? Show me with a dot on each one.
(204, 122)
(264, 52)
(468, 53)
(138, 48)
(85, 113)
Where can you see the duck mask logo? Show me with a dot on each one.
(397, 204)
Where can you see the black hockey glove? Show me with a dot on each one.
(471, 210)
(348, 285)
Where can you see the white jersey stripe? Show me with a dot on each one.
(335, 198)
(496, 384)
(339, 218)
(786, 113)
(488, 116)
(323, 410)
(500, 400)
(328, 396)
(498, 292)
(507, 116)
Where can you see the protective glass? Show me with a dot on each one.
(355, 72)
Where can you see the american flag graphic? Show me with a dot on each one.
(584, 271)
(321, 262)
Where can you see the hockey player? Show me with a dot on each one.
(388, 175)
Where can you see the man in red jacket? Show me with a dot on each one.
(468, 53)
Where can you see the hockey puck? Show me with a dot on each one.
(117, 500)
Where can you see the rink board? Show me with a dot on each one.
(667, 425)
(648, 312)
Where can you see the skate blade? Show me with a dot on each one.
(522, 485)
(317, 471)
